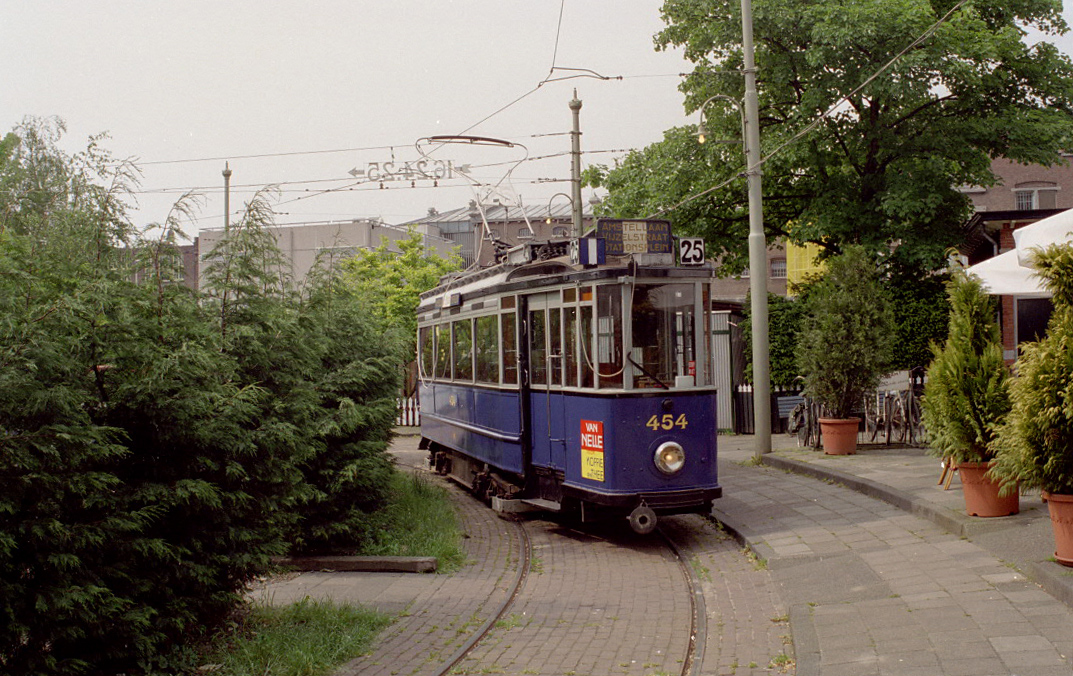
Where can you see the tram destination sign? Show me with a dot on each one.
(625, 236)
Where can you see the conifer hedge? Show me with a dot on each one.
(158, 446)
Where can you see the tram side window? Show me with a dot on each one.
(443, 352)
(586, 347)
(538, 348)
(486, 345)
(570, 346)
(509, 334)
(555, 345)
(463, 349)
(425, 351)
(609, 336)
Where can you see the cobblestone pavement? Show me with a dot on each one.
(874, 590)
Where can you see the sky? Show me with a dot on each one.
(300, 95)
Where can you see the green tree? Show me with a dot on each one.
(882, 169)
(157, 447)
(392, 283)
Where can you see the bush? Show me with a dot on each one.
(157, 447)
(846, 340)
(785, 316)
(923, 313)
(966, 395)
(1035, 446)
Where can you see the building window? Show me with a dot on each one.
(1029, 199)
(778, 268)
(525, 233)
(744, 274)
(1026, 199)
(559, 231)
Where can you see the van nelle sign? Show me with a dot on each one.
(623, 236)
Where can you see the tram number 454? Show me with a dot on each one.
(667, 421)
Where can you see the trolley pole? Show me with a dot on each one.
(575, 164)
(758, 269)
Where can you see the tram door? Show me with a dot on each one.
(545, 317)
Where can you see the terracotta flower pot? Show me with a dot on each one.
(839, 436)
(1061, 509)
(981, 493)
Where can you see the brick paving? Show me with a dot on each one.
(863, 588)
(875, 590)
(597, 601)
(747, 625)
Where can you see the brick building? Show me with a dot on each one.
(1023, 195)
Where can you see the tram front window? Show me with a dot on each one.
(664, 325)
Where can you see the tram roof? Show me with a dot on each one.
(554, 270)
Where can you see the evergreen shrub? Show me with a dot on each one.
(158, 447)
(966, 395)
(1035, 445)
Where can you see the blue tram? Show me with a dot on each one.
(573, 379)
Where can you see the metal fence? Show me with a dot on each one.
(782, 402)
(409, 411)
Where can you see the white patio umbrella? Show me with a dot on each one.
(1009, 274)
(1004, 275)
(1057, 229)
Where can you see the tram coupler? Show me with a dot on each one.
(642, 519)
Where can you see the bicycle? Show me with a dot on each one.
(902, 419)
(875, 415)
(804, 421)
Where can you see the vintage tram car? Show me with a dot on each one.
(575, 375)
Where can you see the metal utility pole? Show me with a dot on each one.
(575, 164)
(227, 198)
(758, 268)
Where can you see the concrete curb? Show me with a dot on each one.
(1052, 577)
(363, 564)
(805, 642)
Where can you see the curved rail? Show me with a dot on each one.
(694, 660)
(484, 629)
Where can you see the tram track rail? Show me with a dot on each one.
(524, 566)
(694, 660)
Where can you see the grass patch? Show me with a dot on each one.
(419, 521)
(309, 638)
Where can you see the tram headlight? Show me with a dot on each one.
(670, 457)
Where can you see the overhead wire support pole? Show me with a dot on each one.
(758, 268)
(575, 164)
(227, 197)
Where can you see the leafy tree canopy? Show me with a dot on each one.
(392, 283)
(883, 168)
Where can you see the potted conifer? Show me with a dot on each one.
(1035, 445)
(966, 396)
(845, 345)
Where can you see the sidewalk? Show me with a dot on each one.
(908, 479)
(910, 587)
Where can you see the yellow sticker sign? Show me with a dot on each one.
(592, 450)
